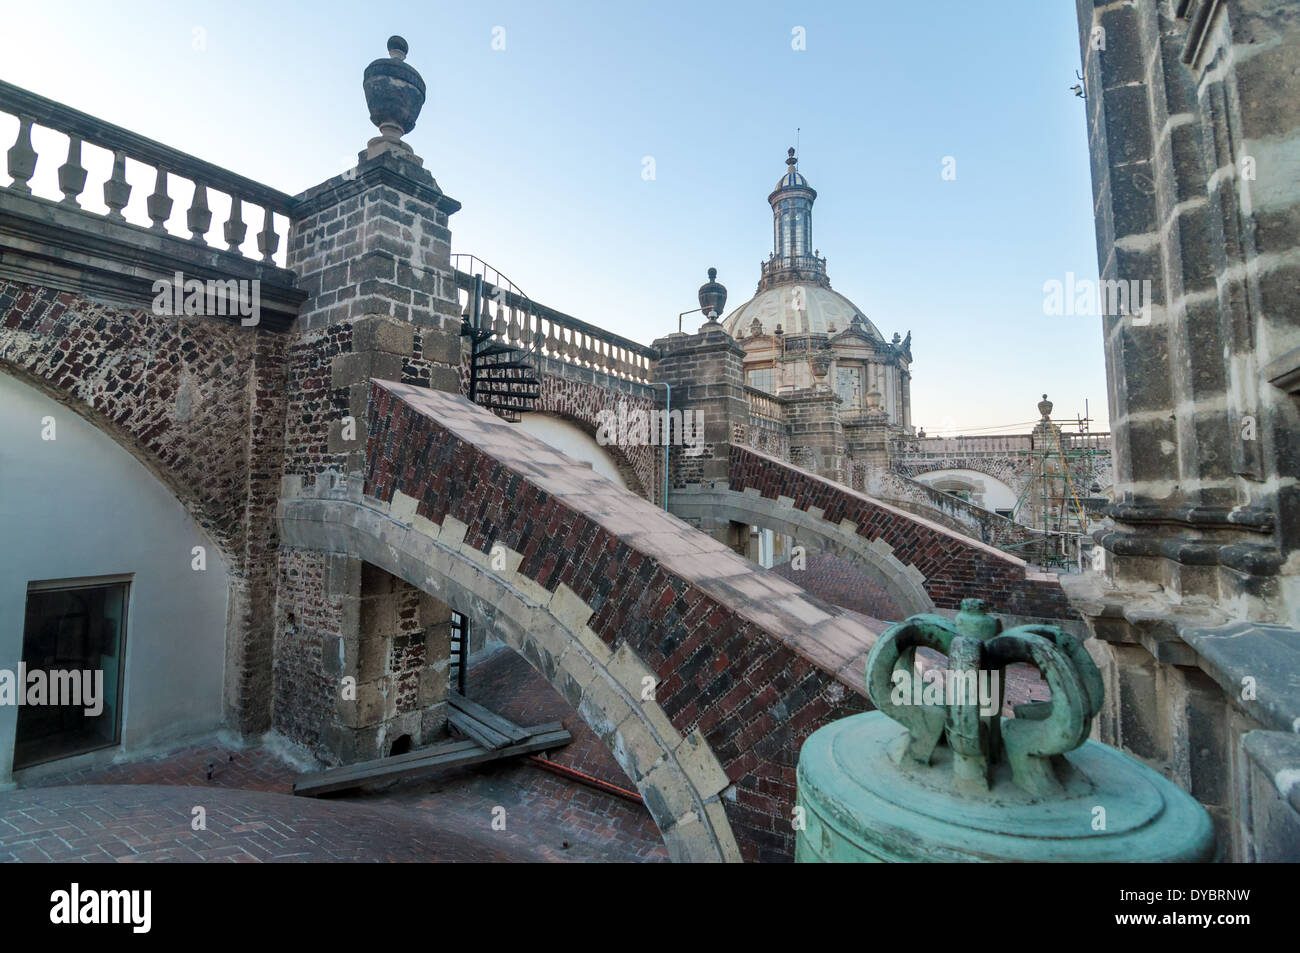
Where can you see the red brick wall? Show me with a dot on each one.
(754, 699)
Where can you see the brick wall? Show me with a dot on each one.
(752, 695)
(954, 567)
(199, 402)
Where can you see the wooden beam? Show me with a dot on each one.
(455, 754)
(487, 717)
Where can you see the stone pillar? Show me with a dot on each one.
(706, 373)
(816, 435)
(372, 249)
(1196, 206)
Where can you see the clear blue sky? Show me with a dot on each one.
(543, 143)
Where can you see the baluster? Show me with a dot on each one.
(117, 191)
(267, 240)
(199, 217)
(514, 331)
(499, 324)
(22, 157)
(159, 204)
(537, 337)
(72, 177)
(235, 229)
(571, 351)
(555, 342)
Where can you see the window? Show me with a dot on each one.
(74, 637)
(848, 387)
(763, 379)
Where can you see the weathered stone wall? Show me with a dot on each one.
(1193, 125)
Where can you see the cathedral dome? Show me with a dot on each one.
(823, 311)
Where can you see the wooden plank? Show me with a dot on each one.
(439, 757)
(488, 717)
(484, 735)
(361, 769)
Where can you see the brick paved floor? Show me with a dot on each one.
(141, 810)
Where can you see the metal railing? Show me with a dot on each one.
(166, 163)
(521, 322)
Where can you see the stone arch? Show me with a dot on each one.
(1011, 470)
(678, 776)
(982, 489)
(904, 583)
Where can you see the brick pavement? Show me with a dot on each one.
(141, 810)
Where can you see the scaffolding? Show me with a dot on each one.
(1064, 464)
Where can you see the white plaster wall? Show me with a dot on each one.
(573, 442)
(986, 491)
(82, 506)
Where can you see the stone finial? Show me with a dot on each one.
(713, 296)
(395, 94)
(1045, 408)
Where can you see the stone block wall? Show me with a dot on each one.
(1193, 124)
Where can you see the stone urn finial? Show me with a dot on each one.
(1045, 408)
(395, 94)
(713, 296)
(821, 365)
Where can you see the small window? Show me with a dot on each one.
(74, 637)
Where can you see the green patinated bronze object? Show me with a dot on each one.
(936, 774)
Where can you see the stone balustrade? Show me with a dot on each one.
(523, 323)
(764, 405)
(921, 448)
(242, 196)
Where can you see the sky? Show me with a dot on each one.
(541, 117)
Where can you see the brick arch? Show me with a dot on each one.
(903, 582)
(948, 565)
(627, 467)
(550, 630)
(199, 403)
(174, 392)
(578, 395)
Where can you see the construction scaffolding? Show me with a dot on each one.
(1064, 472)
